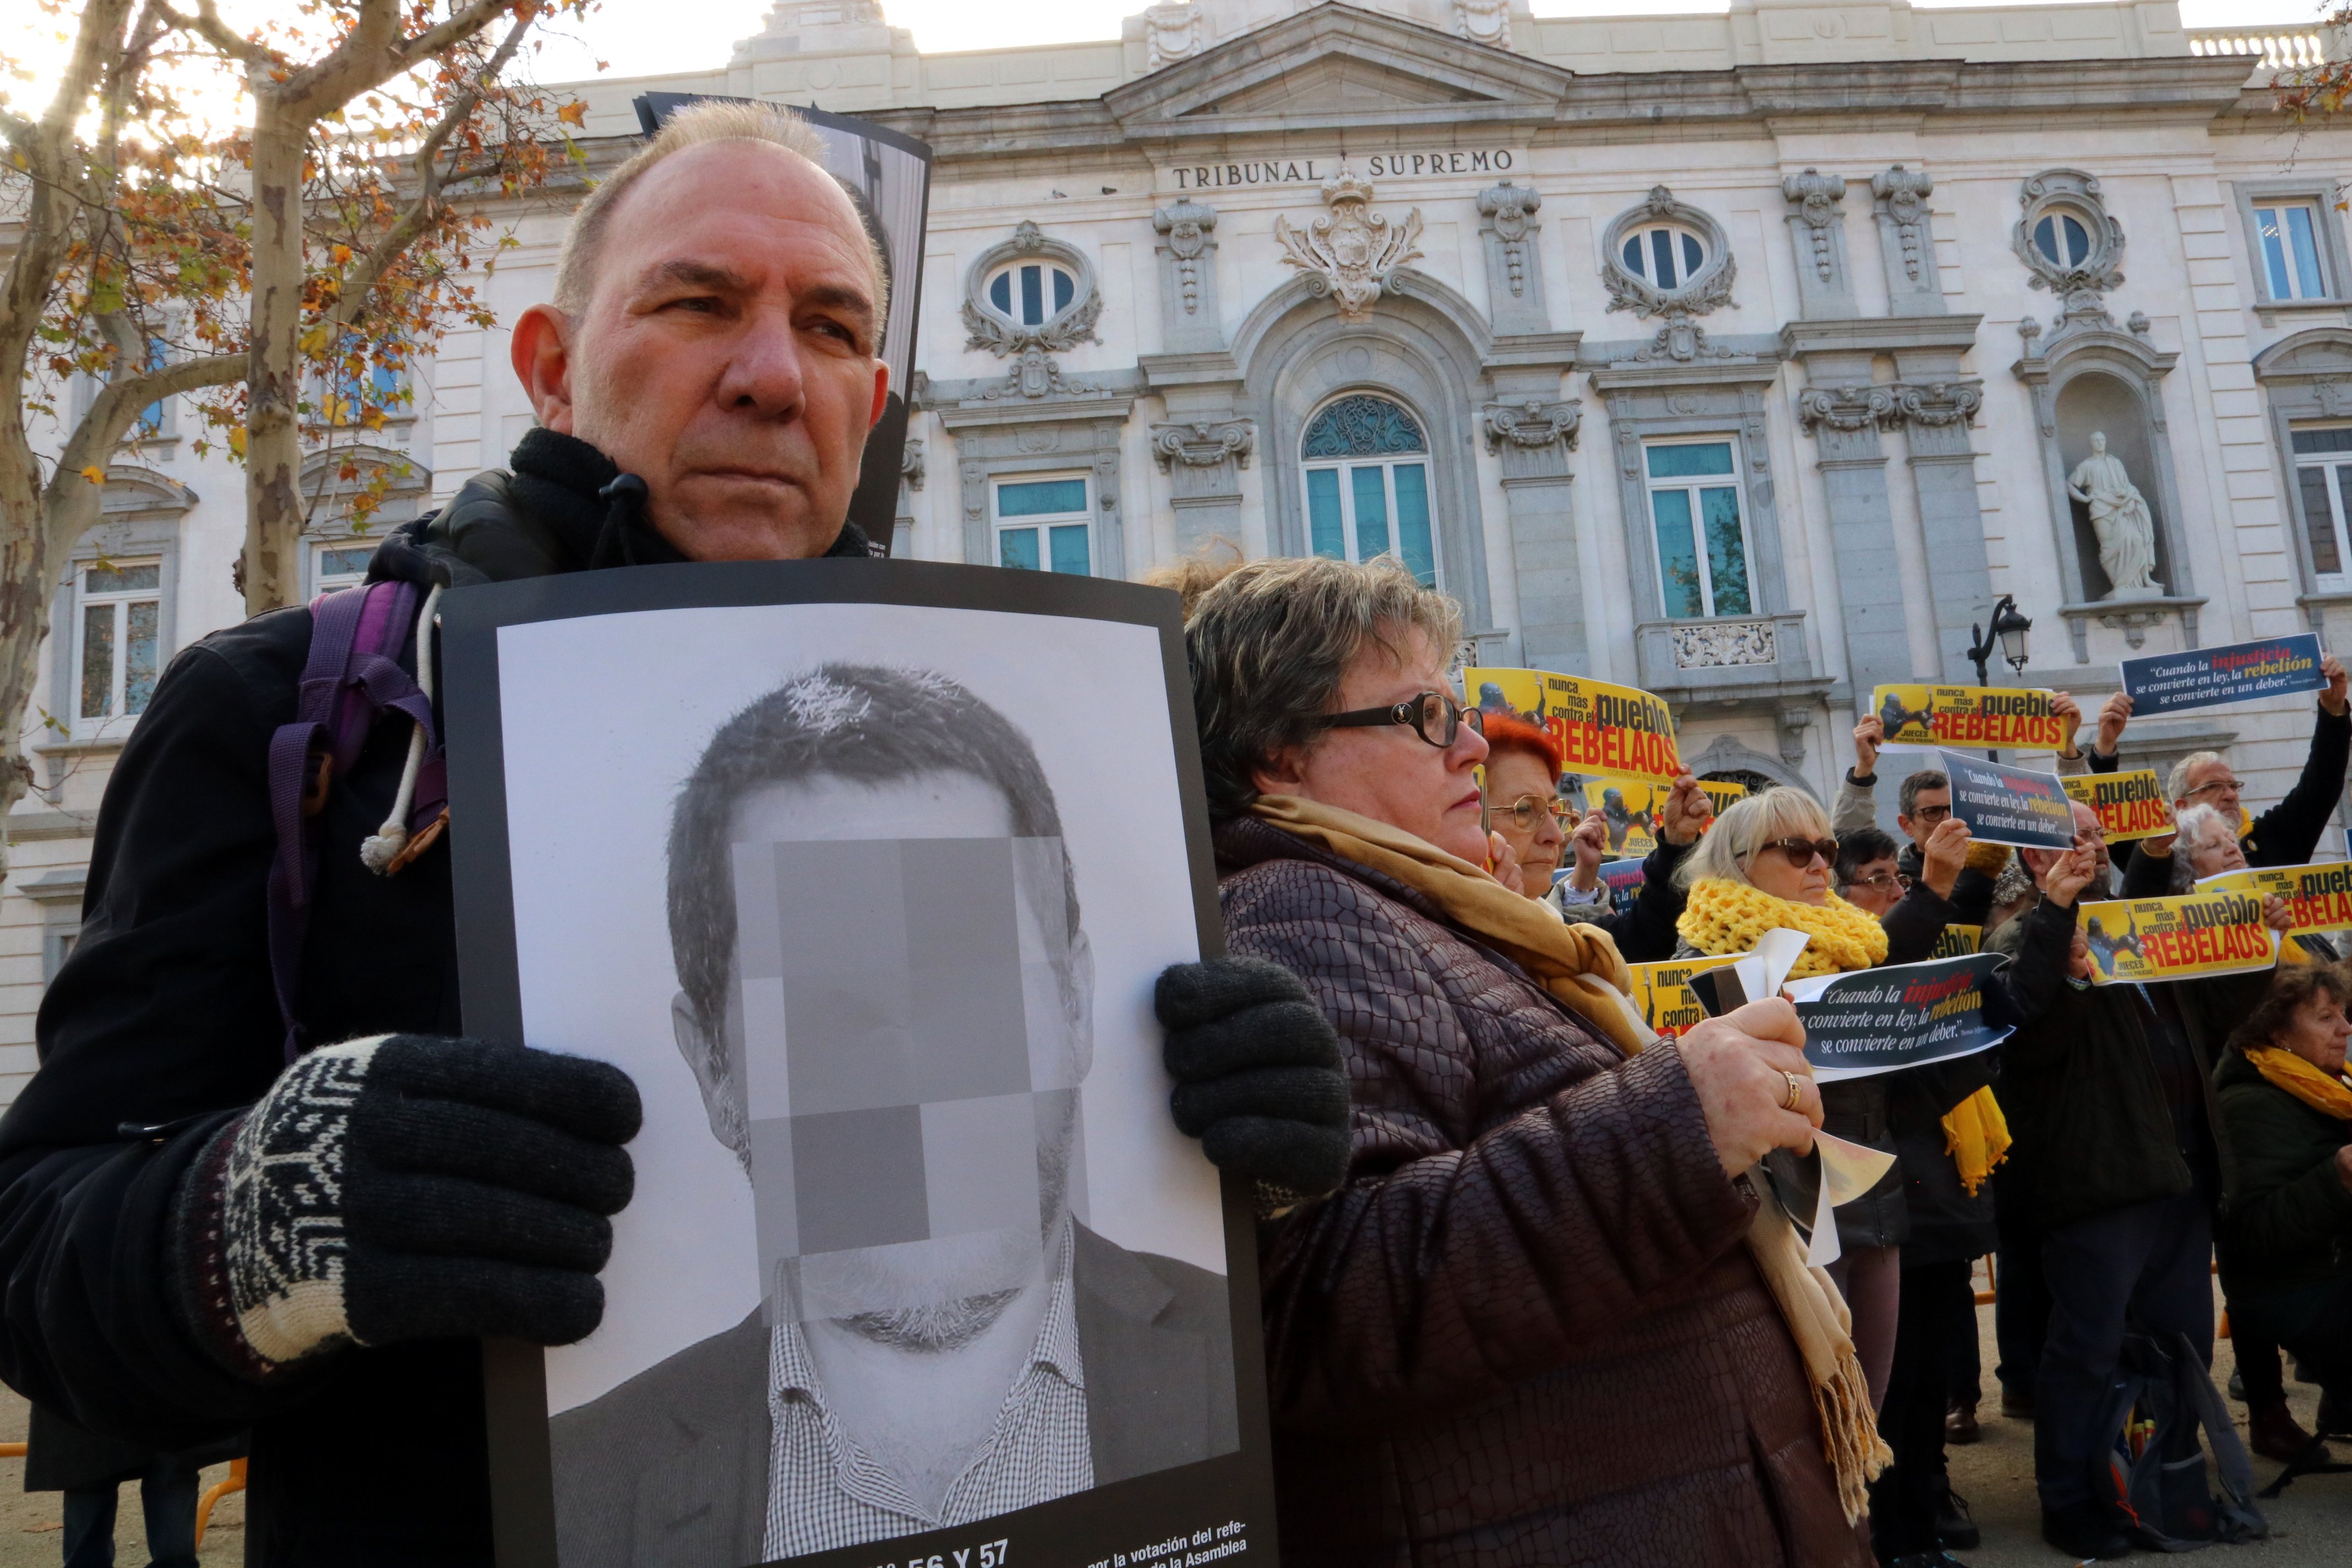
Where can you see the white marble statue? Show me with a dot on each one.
(2119, 516)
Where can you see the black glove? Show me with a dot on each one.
(406, 1187)
(1259, 1079)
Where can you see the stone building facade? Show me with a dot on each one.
(1741, 357)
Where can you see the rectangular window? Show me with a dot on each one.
(1044, 525)
(2288, 237)
(1700, 530)
(118, 633)
(2323, 472)
(340, 565)
(1378, 508)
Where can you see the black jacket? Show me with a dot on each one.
(161, 1027)
(2289, 1224)
(2288, 832)
(1971, 898)
(2079, 1086)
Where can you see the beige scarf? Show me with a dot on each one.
(1579, 965)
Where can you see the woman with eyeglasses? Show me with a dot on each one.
(1546, 1320)
(1768, 864)
(1524, 805)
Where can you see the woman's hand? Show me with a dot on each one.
(1739, 1065)
(1688, 811)
(1868, 736)
(1945, 853)
(1589, 845)
(2277, 915)
(1505, 861)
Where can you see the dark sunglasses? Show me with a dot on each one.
(1800, 852)
(1435, 716)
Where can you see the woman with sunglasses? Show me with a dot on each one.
(1768, 864)
(1545, 1319)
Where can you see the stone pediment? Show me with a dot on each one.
(1335, 65)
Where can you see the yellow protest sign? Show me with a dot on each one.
(2178, 937)
(2025, 718)
(1661, 992)
(2130, 806)
(1957, 941)
(1722, 792)
(2318, 897)
(1601, 728)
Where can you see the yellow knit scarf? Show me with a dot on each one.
(1579, 965)
(2322, 1091)
(1724, 916)
(1976, 1135)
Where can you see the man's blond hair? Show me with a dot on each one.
(711, 120)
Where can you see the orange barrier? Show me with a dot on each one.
(236, 1483)
(1986, 1298)
(12, 1450)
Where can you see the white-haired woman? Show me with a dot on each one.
(2202, 843)
(1766, 866)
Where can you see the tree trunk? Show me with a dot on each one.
(273, 451)
(23, 612)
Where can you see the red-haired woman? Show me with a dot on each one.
(1523, 805)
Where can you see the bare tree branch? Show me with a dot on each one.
(430, 180)
(206, 24)
(460, 26)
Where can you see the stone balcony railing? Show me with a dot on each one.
(2274, 49)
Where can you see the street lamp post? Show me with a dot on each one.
(2007, 633)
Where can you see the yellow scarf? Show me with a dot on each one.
(1724, 916)
(1976, 1135)
(1579, 965)
(2322, 1091)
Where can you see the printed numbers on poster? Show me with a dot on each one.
(991, 1554)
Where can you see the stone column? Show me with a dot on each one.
(1533, 437)
(1944, 474)
(1817, 228)
(1845, 421)
(1203, 459)
(1188, 277)
(1907, 235)
(1515, 285)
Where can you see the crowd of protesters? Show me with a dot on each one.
(1524, 1298)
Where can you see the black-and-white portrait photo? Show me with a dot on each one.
(914, 1244)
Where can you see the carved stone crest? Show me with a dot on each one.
(1486, 22)
(1816, 196)
(1350, 251)
(1033, 375)
(910, 463)
(1186, 226)
(1171, 33)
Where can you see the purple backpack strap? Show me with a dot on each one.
(352, 675)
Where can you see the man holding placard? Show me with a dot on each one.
(2110, 1099)
(2288, 832)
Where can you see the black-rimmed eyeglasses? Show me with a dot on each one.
(1435, 716)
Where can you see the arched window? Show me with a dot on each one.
(2061, 237)
(1664, 256)
(1367, 466)
(1031, 293)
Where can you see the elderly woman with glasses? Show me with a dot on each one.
(1524, 805)
(1546, 1320)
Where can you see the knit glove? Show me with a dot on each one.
(406, 1187)
(1259, 1079)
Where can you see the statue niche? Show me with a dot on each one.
(2109, 459)
(2120, 519)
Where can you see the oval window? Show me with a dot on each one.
(1031, 293)
(1664, 256)
(2062, 239)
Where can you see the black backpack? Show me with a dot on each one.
(2167, 1507)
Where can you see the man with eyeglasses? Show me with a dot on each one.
(1923, 805)
(2285, 835)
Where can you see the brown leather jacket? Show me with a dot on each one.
(1526, 1330)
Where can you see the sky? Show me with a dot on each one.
(642, 37)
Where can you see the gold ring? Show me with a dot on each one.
(1796, 1091)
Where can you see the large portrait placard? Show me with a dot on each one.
(917, 1268)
